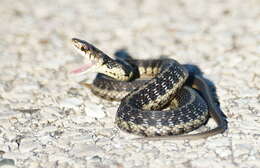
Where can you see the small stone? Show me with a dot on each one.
(95, 111)
(50, 164)
(2, 153)
(80, 119)
(86, 150)
(4, 161)
(6, 123)
(6, 114)
(12, 145)
(206, 163)
(70, 102)
(47, 130)
(28, 145)
(44, 140)
(34, 164)
(242, 149)
(49, 114)
(223, 152)
(62, 157)
(252, 92)
(80, 138)
(191, 155)
(213, 144)
(17, 155)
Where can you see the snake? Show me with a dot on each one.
(160, 98)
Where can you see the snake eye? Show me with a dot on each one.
(82, 48)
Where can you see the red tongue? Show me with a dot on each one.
(82, 68)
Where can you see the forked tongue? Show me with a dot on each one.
(83, 69)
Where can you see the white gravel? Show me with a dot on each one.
(48, 120)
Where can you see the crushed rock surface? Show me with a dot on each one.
(48, 120)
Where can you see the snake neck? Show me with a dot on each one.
(102, 63)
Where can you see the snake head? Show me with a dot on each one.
(97, 61)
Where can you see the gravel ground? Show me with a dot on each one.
(48, 120)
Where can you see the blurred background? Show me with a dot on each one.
(181, 29)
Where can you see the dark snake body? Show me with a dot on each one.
(142, 101)
(162, 106)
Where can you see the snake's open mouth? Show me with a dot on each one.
(82, 69)
(89, 66)
(85, 49)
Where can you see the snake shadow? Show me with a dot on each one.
(122, 54)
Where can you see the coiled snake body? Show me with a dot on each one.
(159, 107)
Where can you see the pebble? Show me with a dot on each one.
(245, 92)
(70, 102)
(25, 87)
(94, 111)
(49, 114)
(6, 162)
(6, 123)
(242, 149)
(86, 150)
(223, 152)
(80, 138)
(10, 136)
(16, 155)
(203, 163)
(61, 157)
(11, 146)
(8, 166)
(45, 139)
(213, 143)
(47, 130)
(6, 114)
(28, 145)
(80, 119)
(34, 164)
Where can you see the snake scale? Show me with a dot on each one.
(156, 101)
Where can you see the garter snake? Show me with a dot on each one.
(163, 107)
